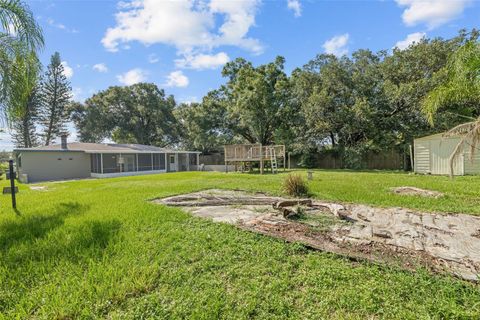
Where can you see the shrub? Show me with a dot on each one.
(295, 185)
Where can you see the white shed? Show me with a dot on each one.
(432, 156)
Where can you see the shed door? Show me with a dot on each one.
(422, 156)
(441, 151)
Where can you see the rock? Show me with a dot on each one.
(288, 213)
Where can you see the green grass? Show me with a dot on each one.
(98, 248)
(317, 222)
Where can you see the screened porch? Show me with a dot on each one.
(118, 164)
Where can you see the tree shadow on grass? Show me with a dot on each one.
(27, 229)
(47, 238)
(54, 249)
(88, 241)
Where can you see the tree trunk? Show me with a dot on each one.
(332, 137)
(25, 132)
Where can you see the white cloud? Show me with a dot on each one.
(239, 17)
(152, 58)
(203, 61)
(77, 94)
(410, 39)
(187, 25)
(431, 12)
(60, 26)
(295, 6)
(67, 70)
(133, 76)
(100, 67)
(54, 24)
(337, 45)
(177, 79)
(189, 99)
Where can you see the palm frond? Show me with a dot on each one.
(461, 81)
(469, 136)
(461, 85)
(18, 21)
(20, 39)
(461, 129)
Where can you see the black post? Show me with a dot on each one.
(12, 183)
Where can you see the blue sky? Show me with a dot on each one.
(182, 45)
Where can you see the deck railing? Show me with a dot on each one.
(252, 152)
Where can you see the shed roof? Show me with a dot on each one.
(103, 148)
(439, 135)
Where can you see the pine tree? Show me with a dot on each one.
(56, 95)
(24, 131)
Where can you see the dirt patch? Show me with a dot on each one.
(39, 188)
(413, 191)
(444, 243)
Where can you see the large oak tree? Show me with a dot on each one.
(140, 113)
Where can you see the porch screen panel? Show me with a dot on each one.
(110, 163)
(159, 161)
(193, 159)
(129, 163)
(95, 163)
(182, 162)
(144, 161)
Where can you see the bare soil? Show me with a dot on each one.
(413, 191)
(440, 242)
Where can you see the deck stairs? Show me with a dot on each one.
(273, 159)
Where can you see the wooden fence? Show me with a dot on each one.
(386, 160)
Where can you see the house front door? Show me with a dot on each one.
(172, 165)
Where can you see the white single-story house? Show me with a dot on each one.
(98, 160)
(432, 156)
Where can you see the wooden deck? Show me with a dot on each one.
(253, 152)
(248, 153)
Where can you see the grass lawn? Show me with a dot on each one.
(97, 248)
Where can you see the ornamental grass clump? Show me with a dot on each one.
(295, 185)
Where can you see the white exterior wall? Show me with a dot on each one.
(50, 166)
(432, 156)
(37, 166)
(472, 166)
